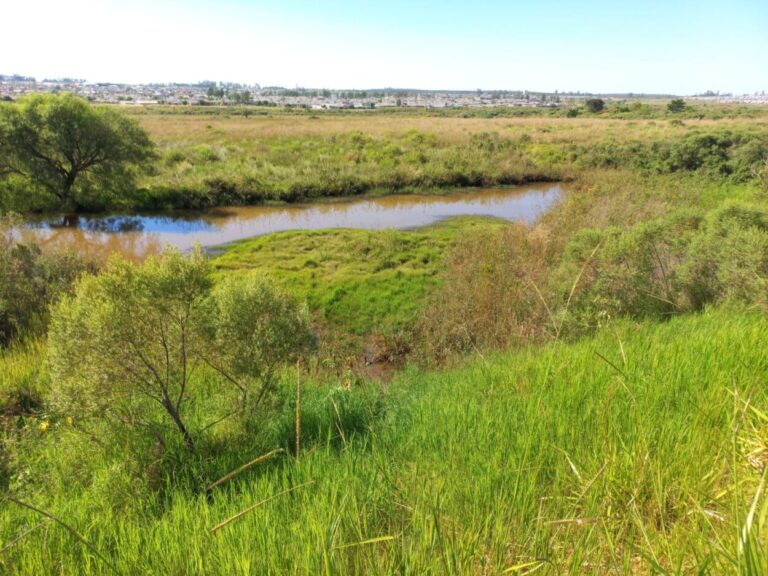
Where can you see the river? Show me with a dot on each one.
(138, 235)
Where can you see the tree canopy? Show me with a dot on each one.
(676, 105)
(68, 148)
(595, 104)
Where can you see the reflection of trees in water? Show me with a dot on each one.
(183, 222)
(134, 246)
(107, 224)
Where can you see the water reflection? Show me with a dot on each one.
(137, 236)
(92, 223)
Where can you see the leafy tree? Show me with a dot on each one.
(136, 338)
(65, 146)
(676, 105)
(595, 105)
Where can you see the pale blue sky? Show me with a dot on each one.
(669, 46)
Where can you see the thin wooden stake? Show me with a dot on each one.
(298, 408)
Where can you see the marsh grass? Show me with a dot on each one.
(552, 458)
(639, 448)
(361, 281)
(215, 159)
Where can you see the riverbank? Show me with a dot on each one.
(211, 158)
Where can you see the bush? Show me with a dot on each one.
(137, 342)
(595, 105)
(676, 105)
(729, 259)
(618, 272)
(657, 269)
(30, 281)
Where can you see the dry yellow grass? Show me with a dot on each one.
(176, 129)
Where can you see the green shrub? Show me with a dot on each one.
(138, 343)
(729, 259)
(678, 263)
(595, 105)
(676, 105)
(175, 156)
(701, 151)
(30, 281)
(617, 272)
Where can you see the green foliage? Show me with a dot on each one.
(732, 155)
(257, 328)
(360, 281)
(649, 459)
(30, 281)
(676, 105)
(729, 260)
(678, 263)
(130, 339)
(640, 448)
(213, 157)
(78, 154)
(595, 105)
(697, 151)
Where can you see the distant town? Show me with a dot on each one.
(210, 93)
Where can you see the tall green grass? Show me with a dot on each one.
(639, 450)
(357, 280)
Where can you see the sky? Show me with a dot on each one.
(651, 46)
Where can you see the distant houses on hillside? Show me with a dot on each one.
(218, 93)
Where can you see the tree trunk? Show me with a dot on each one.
(69, 182)
(171, 409)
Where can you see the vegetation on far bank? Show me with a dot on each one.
(215, 157)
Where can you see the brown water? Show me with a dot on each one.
(136, 236)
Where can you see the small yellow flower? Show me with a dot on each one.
(43, 426)
(70, 421)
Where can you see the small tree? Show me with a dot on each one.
(595, 105)
(676, 105)
(64, 145)
(132, 337)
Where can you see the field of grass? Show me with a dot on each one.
(214, 159)
(228, 156)
(635, 451)
(360, 281)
